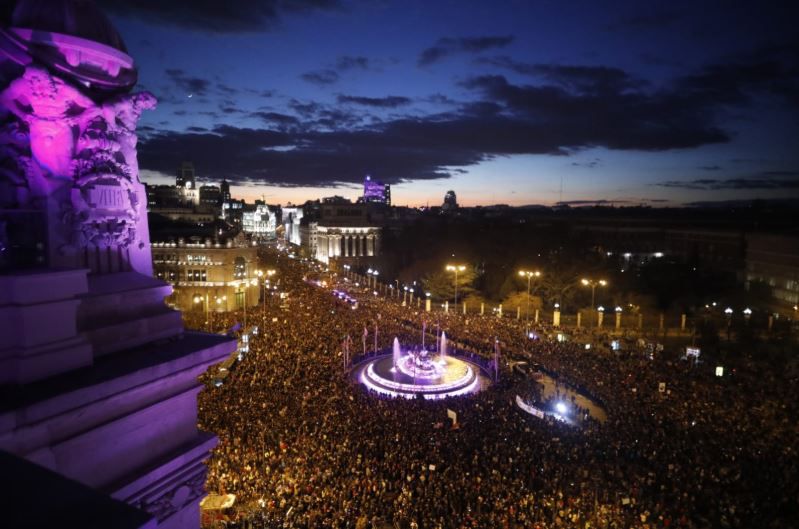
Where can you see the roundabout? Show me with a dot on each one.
(418, 372)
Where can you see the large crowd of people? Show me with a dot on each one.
(302, 445)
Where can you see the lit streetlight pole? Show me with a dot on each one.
(201, 299)
(219, 302)
(593, 284)
(269, 273)
(373, 278)
(456, 269)
(529, 275)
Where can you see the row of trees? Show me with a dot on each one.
(493, 252)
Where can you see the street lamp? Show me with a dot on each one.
(593, 284)
(373, 274)
(404, 296)
(269, 274)
(200, 299)
(456, 269)
(529, 275)
(220, 301)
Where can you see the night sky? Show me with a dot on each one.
(659, 103)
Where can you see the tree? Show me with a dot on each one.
(441, 285)
(559, 285)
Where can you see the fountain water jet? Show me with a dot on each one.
(416, 372)
(397, 353)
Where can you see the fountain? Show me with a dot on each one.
(397, 353)
(416, 371)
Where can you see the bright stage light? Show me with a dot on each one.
(561, 408)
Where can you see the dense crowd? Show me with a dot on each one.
(302, 445)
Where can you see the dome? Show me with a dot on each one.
(78, 18)
(70, 37)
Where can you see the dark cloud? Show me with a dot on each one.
(347, 62)
(651, 20)
(570, 108)
(321, 77)
(378, 102)
(278, 119)
(229, 110)
(616, 120)
(226, 89)
(576, 78)
(765, 180)
(215, 16)
(591, 164)
(710, 167)
(746, 203)
(305, 109)
(449, 46)
(772, 70)
(440, 99)
(191, 85)
(601, 202)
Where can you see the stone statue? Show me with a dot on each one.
(76, 159)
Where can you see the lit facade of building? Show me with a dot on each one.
(222, 277)
(210, 196)
(345, 233)
(376, 192)
(292, 215)
(260, 222)
(350, 243)
(774, 260)
(185, 176)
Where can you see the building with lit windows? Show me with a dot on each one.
(292, 217)
(346, 234)
(208, 276)
(375, 192)
(774, 261)
(260, 221)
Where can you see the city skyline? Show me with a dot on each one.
(512, 103)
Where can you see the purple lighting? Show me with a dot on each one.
(412, 373)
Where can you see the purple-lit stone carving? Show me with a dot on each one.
(80, 165)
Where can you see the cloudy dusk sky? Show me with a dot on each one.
(516, 102)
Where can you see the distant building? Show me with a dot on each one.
(185, 177)
(292, 216)
(375, 192)
(774, 260)
(345, 233)
(208, 276)
(450, 201)
(259, 221)
(210, 196)
(224, 189)
(336, 199)
(232, 211)
(164, 196)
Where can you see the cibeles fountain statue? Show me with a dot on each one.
(100, 376)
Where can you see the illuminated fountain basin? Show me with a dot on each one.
(417, 371)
